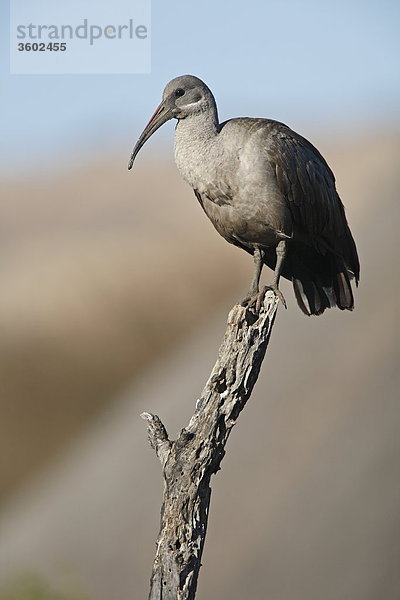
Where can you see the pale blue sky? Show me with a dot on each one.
(313, 64)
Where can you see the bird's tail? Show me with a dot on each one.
(321, 281)
(314, 295)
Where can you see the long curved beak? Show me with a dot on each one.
(162, 114)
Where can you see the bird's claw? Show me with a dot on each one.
(256, 300)
(277, 292)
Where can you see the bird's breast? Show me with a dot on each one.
(244, 222)
(237, 190)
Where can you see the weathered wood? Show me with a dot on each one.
(189, 462)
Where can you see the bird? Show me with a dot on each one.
(266, 189)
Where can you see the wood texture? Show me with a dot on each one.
(189, 462)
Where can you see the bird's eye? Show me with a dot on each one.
(179, 92)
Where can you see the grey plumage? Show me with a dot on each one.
(267, 190)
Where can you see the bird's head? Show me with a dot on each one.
(183, 97)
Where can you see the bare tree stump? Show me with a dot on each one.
(189, 461)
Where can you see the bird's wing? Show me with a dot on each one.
(308, 185)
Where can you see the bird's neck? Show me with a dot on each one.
(195, 139)
(197, 128)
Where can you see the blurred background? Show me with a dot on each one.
(114, 295)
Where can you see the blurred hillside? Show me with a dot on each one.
(87, 260)
(91, 263)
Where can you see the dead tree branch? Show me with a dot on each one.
(189, 461)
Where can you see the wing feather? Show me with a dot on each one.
(308, 185)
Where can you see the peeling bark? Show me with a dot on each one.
(189, 462)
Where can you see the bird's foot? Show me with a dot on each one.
(256, 300)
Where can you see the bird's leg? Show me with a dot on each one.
(280, 259)
(256, 296)
(258, 265)
(253, 292)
